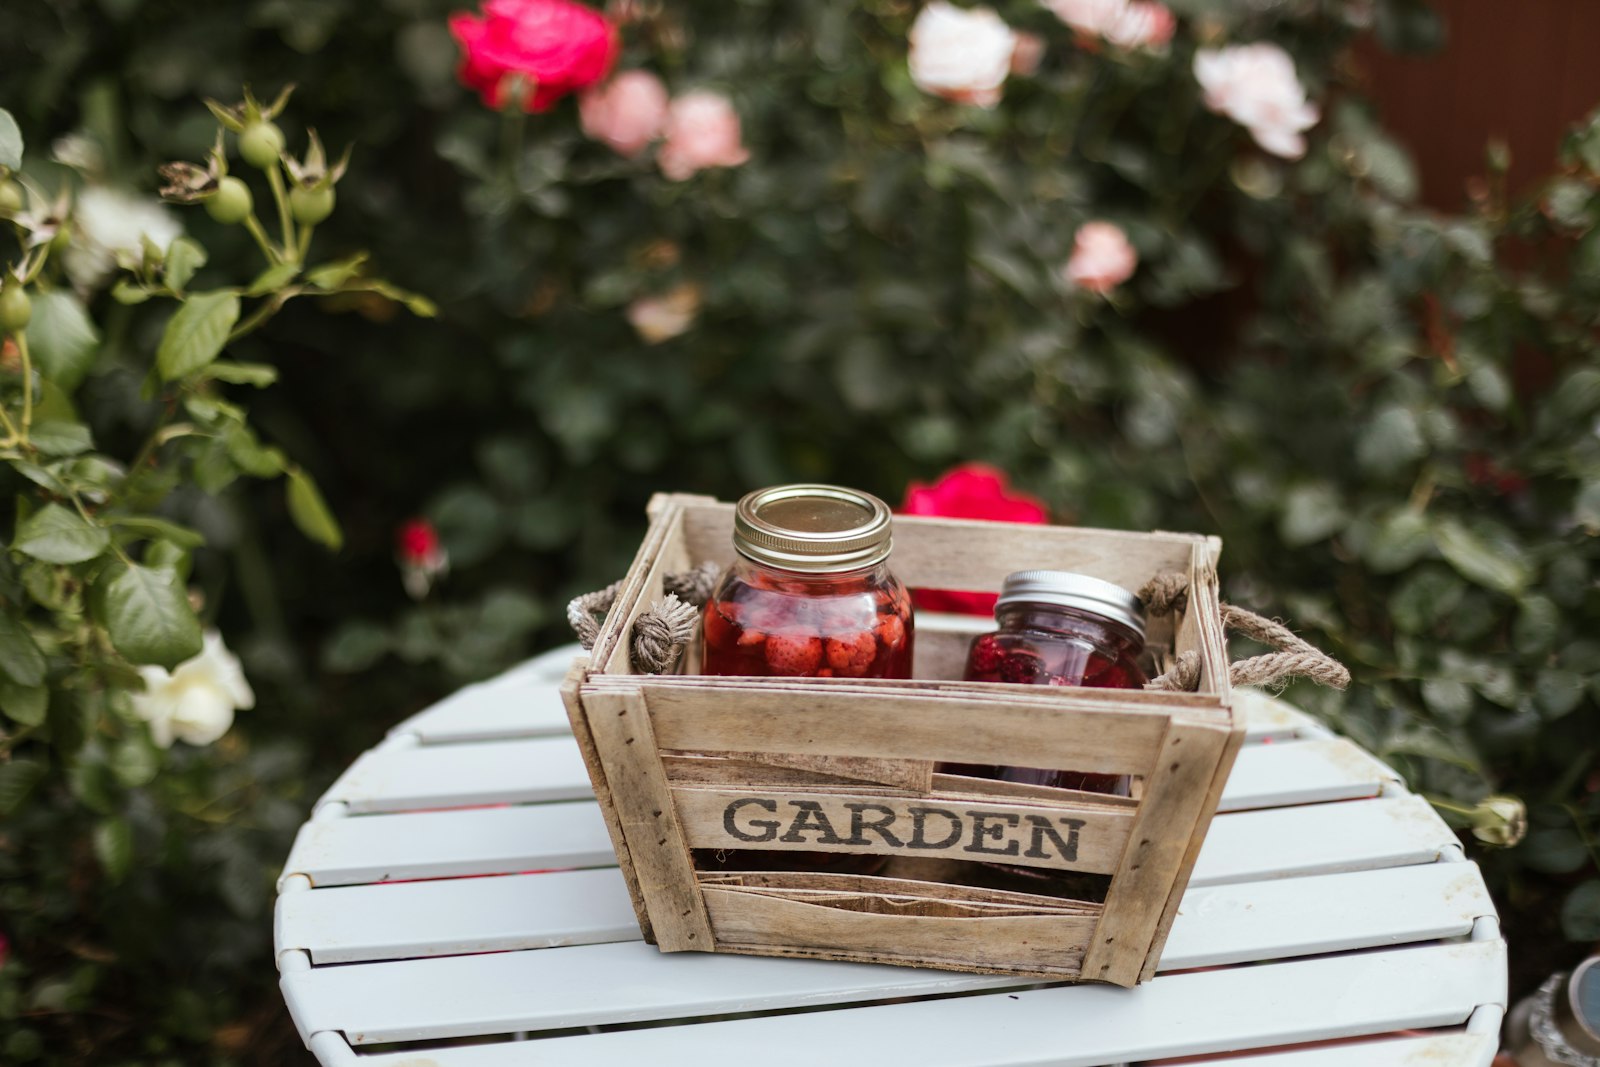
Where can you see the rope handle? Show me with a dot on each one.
(1168, 592)
(661, 633)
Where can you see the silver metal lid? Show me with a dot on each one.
(1069, 590)
(813, 528)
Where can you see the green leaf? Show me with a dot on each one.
(1391, 442)
(25, 704)
(259, 375)
(58, 535)
(135, 761)
(1580, 913)
(39, 476)
(1400, 540)
(273, 278)
(332, 275)
(1310, 513)
(17, 780)
(60, 438)
(148, 615)
(113, 847)
(354, 647)
(130, 292)
(168, 556)
(196, 334)
(10, 141)
(1478, 561)
(310, 512)
(184, 257)
(415, 303)
(61, 338)
(148, 526)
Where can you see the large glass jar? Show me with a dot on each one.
(809, 593)
(1060, 628)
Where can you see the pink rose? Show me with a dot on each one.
(1027, 55)
(1143, 24)
(702, 131)
(1256, 86)
(555, 45)
(961, 54)
(1102, 258)
(661, 318)
(626, 112)
(1127, 24)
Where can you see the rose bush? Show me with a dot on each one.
(1304, 361)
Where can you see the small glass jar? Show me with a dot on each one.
(1060, 628)
(809, 594)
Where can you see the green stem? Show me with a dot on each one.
(281, 198)
(1447, 805)
(264, 311)
(27, 383)
(305, 241)
(1583, 833)
(253, 224)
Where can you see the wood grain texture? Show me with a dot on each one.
(832, 884)
(1049, 946)
(1197, 836)
(778, 770)
(1070, 837)
(1157, 850)
(903, 726)
(572, 700)
(642, 805)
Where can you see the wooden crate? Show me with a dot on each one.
(685, 762)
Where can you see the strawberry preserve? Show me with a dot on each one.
(1060, 628)
(809, 594)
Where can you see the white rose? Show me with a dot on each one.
(959, 54)
(1255, 85)
(108, 229)
(195, 702)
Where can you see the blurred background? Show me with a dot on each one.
(1371, 367)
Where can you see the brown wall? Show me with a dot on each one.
(1520, 70)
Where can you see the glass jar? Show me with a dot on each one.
(1059, 628)
(809, 594)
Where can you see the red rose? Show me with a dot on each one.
(558, 46)
(421, 556)
(970, 491)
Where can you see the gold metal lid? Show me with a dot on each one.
(812, 528)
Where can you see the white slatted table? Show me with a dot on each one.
(454, 902)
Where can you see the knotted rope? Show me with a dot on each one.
(1169, 592)
(660, 634)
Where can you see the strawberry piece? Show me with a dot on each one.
(793, 655)
(891, 631)
(852, 655)
(986, 655)
(752, 639)
(1021, 667)
(721, 630)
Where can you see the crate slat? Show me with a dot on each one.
(1083, 1026)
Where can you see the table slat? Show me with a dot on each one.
(1075, 1026)
(1429, 1050)
(448, 844)
(417, 778)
